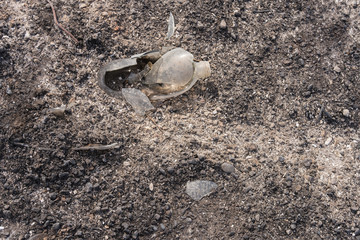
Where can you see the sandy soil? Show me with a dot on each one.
(281, 106)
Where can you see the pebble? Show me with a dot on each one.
(357, 232)
(82, 5)
(88, 187)
(58, 111)
(200, 26)
(228, 167)
(162, 226)
(53, 196)
(8, 91)
(56, 226)
(337, 69)
(307, 163)
(328, 141)
(157, 217)
(222, 24)
(288, 232)
(27, 35)
(151, 186)
(170, 170)
(199, 188)
(125, 225)
(293, 226)
(346, 113)
(301, 62)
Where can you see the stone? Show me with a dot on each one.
(346, 113)
(223, 24)
(337, 69)
(328, 141)
(8, 91)
(200, 26)
(162, 226)
(53, 196)
(56, 226)
(228, 167)
(200, 188)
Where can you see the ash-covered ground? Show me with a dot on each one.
(281, 106)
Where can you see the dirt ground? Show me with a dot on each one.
(281, 106)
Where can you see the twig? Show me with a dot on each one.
(153, 121)
(59, 25)
(21, 144)
(321, 112)
(324, 113)
(97, 147)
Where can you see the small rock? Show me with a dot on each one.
(78, 233)
(157, 217)
(125, 225)
(101, 57)
(357, 232)
(88, 187)
(301, 62)
(257, 217)
(162, 226)
(297, 188)
(293, 226)
(281, 159)
(53, 196)
(354, 210)
(151, 187)
(328, 141)
(337, 69)
(223, 24)
(199, 188)
(58, 111)
(288, 232)
(346, 113)
(8, 91)
(27, 35)
(307, 163)
(287, 62)
(200, 26)
(228, 167)
(170, 170)
(252, 147)
(56, 226)
(82, 5)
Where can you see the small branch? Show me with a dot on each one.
(98, 147)
(321, 113)
(59, 25)
(153, 121)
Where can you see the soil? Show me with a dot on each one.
(281, 106)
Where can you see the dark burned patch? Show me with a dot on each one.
(5, 62)
(96, 44)
(44, 17)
